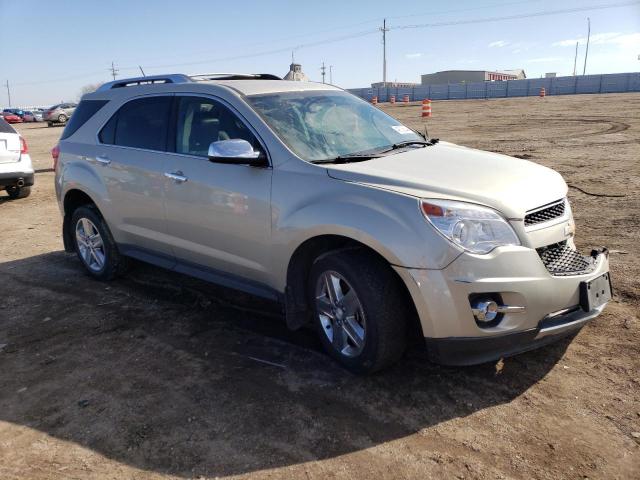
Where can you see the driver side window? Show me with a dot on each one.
(202, 121)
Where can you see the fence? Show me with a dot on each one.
(609, 83)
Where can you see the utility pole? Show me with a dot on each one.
(575, 60)
(323, 70)
(586, 54)
(114, 70)
(8, 93)
(384, 30)
(331, 74)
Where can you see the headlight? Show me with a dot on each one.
(476, 229)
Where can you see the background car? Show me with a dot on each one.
(32, 116)
(11, 117)
(59, 113)
(16, 111)
(16, 170)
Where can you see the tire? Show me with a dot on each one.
(87, 220)
(18, 192)
(379, 319)
(62, 118)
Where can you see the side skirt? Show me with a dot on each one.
(203, 273)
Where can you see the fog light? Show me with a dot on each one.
(485, 310)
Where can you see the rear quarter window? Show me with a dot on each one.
(85, 110)
(5, 127)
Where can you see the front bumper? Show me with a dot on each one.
(519, 277)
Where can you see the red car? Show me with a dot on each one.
(11, 117)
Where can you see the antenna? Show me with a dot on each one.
(586, 53)
(140, 67)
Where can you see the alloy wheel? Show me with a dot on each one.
(90, 245)
(340, 314)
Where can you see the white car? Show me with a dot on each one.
(16, 171)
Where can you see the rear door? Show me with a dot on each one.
(9, 143)
(131, 158)
(219, 216)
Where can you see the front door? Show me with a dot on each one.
(218, 215)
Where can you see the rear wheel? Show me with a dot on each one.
(62, 119)
(360, 311)
(94, 244)
(16, 192)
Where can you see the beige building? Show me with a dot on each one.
(295, 73)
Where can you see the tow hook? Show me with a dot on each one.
(20, 182)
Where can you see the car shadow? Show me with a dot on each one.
(173, 375)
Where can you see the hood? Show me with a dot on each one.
(447, 171)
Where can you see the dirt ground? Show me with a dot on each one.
(158, 375)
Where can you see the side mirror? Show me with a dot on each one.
(236, 151)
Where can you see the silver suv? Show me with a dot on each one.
(306, 194)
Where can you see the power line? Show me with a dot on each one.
(517, 16)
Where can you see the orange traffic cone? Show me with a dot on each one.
(405, 99)
(543, 92)
(426, 107)
(392, 100)
(374, 101)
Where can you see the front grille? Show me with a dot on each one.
(545, 213)
(561, 260)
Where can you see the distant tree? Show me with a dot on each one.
(92, 87)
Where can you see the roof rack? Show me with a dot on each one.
(150, 80)
(181, 78)
(203, 77)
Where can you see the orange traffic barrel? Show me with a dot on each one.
(374, 101)
(426, 107)
(392, 99)
(405, 99)
(543, 92)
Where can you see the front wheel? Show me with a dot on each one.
(360, 311)
(94, 244)
(62, 119)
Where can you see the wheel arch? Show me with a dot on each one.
(298, 312)
(73, 199)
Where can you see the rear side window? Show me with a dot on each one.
(141, 123)
(84, 112)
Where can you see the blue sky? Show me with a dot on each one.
(50, 50)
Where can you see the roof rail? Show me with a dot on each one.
(134, 81)
(203, 77)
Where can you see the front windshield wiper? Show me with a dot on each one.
(408, 143)
(349, 158)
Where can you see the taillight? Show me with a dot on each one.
(23, 146)
(55, 153)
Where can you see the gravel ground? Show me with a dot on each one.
(158, 375)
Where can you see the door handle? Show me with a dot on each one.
(103, 160)
(178, 177)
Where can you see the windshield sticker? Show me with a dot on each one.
(401, 129)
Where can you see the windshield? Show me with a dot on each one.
(322, 125)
